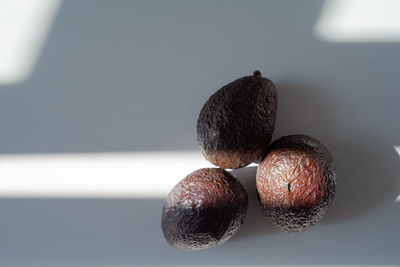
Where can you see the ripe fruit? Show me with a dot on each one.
(296, 182)
(204, 209)
(235, 125)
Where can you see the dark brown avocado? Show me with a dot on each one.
(236, 124)
(296, 182)
(204, 209)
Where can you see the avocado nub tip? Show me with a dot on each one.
(257, 73)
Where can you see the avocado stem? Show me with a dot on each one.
(257, 73)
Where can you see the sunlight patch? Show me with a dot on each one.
(97, 175)
(359, 21)
(24, 26)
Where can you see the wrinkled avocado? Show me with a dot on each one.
(296, 182)
(204, 209)
(236, 124)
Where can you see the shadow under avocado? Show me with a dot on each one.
(366, 177)
(256, 223)
(366, 165)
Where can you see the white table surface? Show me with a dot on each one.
(127, 79)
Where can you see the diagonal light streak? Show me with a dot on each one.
(24, 26)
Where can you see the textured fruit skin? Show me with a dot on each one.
(296, 182)
(204, 209)
(235, 125)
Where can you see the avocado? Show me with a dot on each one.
(236, 123)
(203, 210)
(296, 182)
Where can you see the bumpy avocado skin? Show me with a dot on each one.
(296, 182)
(203, 210)
(235, 125)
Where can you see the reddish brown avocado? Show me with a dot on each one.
(235, 125)
(204, 210)
(296, 182)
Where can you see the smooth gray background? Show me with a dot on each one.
(133, 75)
